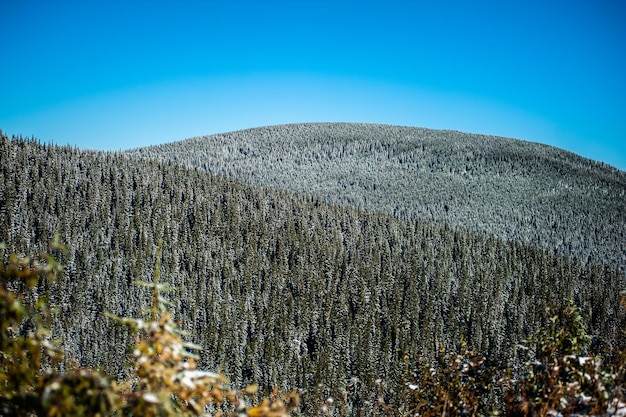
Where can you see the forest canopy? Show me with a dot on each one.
(281, 289)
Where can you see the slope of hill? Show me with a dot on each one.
(514, 189)
(278, 288)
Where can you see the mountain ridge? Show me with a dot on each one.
(515, 189)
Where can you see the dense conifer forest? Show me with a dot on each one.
(514, 189)
(285, 286)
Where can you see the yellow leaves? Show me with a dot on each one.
(258, 411)
(251, 389)
(269, 409)
(274, 406)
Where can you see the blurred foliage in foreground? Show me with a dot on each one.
(554, 375)
(165, 380)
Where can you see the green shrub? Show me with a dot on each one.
(457, 385)
(559, 375)
(555, 376)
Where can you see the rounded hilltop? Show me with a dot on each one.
(515, 189)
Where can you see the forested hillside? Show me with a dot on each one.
(514, 189)
(280, 288)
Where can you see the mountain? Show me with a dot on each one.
(517, 190)
(292, 289)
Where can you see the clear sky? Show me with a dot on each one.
(122, 74)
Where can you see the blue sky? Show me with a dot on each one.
(122, 74)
